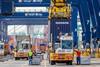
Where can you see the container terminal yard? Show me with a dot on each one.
(49, 33)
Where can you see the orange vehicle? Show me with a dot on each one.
(22, 48)
(4, 49)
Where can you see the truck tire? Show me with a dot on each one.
(69, 62)
(27, 58)
(17, 58)
(52, 63)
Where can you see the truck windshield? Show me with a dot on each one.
(66, 44)
(23, 46)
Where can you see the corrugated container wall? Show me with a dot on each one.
(58, 26)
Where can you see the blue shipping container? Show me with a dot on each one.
(58, 26)
(6, 7)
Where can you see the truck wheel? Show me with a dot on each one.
(67, 63)
(17, 58)
(27, 58)
(70, 62)
(52, 63)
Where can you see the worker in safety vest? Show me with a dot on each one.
(30, 57)
(78, 53)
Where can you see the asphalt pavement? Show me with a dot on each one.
(10, 62)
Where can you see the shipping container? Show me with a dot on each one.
(6, 7)
(58, 27)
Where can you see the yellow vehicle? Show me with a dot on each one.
(22, 50)
(64, 53)
(60, 35)
(59, 9)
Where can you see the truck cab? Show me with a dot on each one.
(64, 51)
(22, 50)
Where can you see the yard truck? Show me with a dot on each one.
(22, 47)
(61, 38)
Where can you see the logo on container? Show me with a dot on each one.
(33, 14)
(62, 22)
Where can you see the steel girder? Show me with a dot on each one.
(96, 7)
(85, 19)
(74, 25)
(3, 32)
